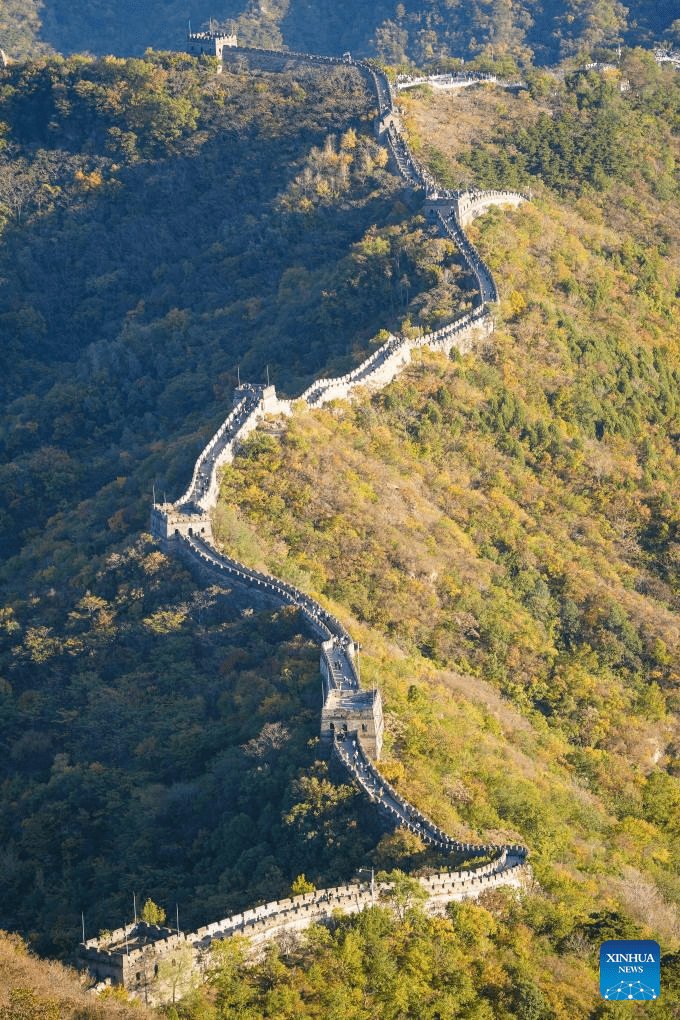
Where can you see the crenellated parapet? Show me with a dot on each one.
(189, 516)
(169, 524)
(148, 960)
(132, 956)
(402, 814)
(486, 285)
(212, 44)
(465, 206)
(456, 80)
(158, 965)
(356, 715)
(248, 58)
(183, 528)
(460, 80)
(470, 204)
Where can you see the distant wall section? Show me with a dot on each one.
(157, 963)
(212, 44)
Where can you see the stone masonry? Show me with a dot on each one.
(156, 963)
(212, 44)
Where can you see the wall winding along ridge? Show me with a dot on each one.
(351, 718)
(143, 957)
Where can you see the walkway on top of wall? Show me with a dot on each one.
(253, 403)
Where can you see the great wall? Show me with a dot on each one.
(148, 960)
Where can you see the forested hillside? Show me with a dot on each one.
(420, 30)
(34, 990)
(500, 531)
(162, 226)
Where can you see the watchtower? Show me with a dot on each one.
(168, 523)
(211, 43)
(357, 712)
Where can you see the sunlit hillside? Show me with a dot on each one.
(501, 530)
(31, 989)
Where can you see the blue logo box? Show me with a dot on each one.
(630, 969)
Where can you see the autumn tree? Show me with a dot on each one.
(152, 913)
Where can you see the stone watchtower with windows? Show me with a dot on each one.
(211, 43)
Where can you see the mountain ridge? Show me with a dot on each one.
(521, 602)
(395, 32)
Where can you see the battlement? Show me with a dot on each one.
(168, 523)
(355, 712)
(164, 965)
(211, 44)
(130, 954)
(149, 960)
(184, 527)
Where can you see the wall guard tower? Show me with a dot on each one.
(210, 43)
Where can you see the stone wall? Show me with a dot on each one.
(356, 714)
(445, 81)
(462, 80)
(166, 962)
(348, 713)
(470, 204)
(149, 961)
(486, 285)
(212, 44)
(386, 363)
(402, 814)
(248, 58)
(251, 404)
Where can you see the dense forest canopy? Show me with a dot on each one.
(163, 226)
(501, 531)
(418, 30)
(507, 523)
(200, 224)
